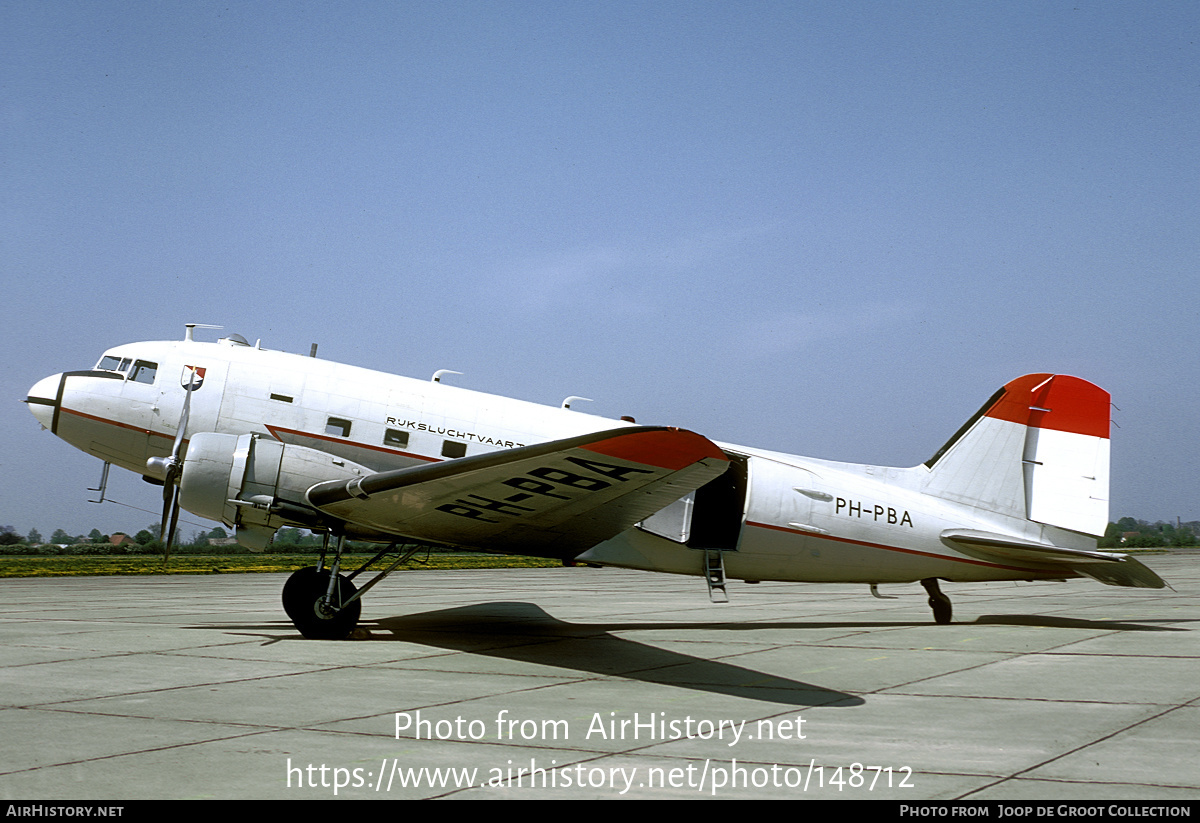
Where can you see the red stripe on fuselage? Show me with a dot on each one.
(277, 430)
(896, 549)
(117, 423)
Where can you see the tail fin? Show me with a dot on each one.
(1038, 449)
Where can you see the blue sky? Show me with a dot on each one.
(831, 229)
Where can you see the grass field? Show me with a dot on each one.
(69, 566)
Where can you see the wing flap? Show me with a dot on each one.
(555, 498)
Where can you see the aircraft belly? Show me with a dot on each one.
(775, 553)
(115, 443)
(781, 555)
(126, 448)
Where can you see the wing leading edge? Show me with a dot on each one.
(554, 499)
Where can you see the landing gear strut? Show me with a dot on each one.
(942, 609)
(325, 605)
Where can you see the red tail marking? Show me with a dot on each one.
(1055, 401)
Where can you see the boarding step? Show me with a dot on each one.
(714, 573)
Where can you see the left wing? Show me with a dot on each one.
(557, 498)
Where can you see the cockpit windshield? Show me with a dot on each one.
(111, 362)
(143, 371)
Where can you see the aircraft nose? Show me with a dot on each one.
(43, 398)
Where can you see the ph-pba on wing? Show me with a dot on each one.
(555, 498)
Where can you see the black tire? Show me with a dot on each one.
(943, 611)
(302, 595)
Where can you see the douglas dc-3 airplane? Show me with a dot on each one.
(261, 439)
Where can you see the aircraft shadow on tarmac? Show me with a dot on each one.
(1049, 622)
(524, 632)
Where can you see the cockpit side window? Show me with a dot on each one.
(144, 371)
(112, 363)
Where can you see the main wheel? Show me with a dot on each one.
(304, 602)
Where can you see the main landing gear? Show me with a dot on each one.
(326, 605)
(320, 603)
(942, 609)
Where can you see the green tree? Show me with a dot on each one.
(1183, 536)
(34, 538)
(62, 538)
(1146, 540)
(1111, 538)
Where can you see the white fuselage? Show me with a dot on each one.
(796, 518)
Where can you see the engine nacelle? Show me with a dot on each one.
(257, 483)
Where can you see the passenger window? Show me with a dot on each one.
(452, 449)
(144, 371)
(395, 438)
(337, 427)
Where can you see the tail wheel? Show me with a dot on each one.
(304, 600)
(943, 611)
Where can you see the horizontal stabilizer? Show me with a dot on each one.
(1128, 572)
(1109, 568)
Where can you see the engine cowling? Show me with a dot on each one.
(257, 484)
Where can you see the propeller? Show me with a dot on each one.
(172, 469)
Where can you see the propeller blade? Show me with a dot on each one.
(170, 512)
(174, 469)
(181, 429)
(171, 532)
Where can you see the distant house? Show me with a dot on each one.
(222, 541)
(122, 539)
